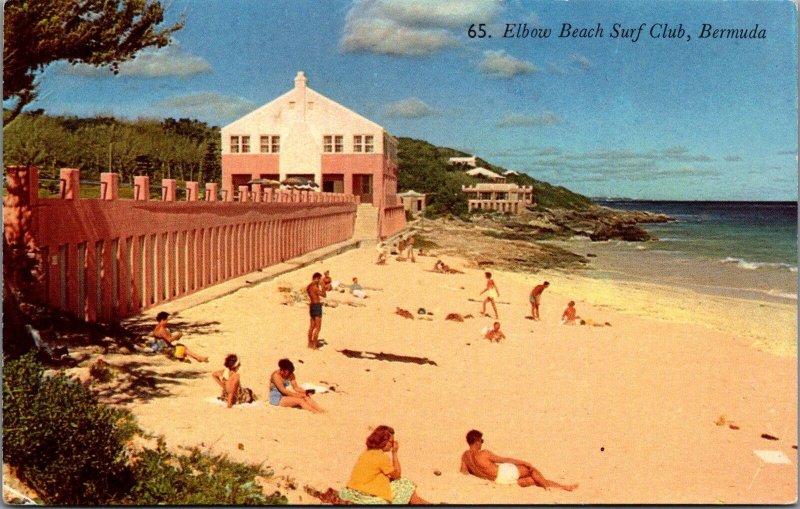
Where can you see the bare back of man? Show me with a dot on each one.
(487, 465)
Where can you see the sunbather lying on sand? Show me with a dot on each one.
(404, 313)
(487, 465)
(443, 268)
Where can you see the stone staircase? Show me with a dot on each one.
(366, 227)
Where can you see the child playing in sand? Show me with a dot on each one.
(493, 333)
(570, 314)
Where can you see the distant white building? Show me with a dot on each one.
(413, 201)
(483, 172)
(499, 197)
(465, 161)
(510, 172)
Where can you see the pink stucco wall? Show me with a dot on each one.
(107, 259)
(251, 164)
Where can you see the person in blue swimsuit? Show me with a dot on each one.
(280, 393)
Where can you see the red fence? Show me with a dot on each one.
(105, 259)
(392, 220)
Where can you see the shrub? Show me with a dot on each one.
(197, 478)
(69, 447)
(72, 450)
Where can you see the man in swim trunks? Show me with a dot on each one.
(315, 292)
(487, 465)
(166, 341)
(536, 298)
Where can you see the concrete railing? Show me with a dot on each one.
(105, 259)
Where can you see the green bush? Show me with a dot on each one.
(69, 447)
(196, 478)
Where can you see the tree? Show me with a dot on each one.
(95, 32)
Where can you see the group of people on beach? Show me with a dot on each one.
(377, 478)
(377, 475)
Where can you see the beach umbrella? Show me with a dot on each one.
(265, 182)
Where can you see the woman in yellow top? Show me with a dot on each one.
(375, 478)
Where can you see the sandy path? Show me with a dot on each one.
(627, 411)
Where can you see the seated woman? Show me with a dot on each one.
(280, 395)
(232, 391)
(357, 290)
(375, 478)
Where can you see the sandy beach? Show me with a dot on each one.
(635, 412)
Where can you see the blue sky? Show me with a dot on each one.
(681, 118)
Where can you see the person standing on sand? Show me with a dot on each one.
(164, 339)
(487, 465)
(410, 244)
(315, 292)
(375, 478)
(536, 298)
(492, 294)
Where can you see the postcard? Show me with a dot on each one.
(400, 251)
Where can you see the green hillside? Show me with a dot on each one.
(424, 168)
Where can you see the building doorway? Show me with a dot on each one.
(362, 187)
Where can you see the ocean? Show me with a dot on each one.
(745, 248)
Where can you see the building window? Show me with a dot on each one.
(270, 144)
(291, 105)
(333, 143)
(363, 143)
(245, 144)
(234, 144)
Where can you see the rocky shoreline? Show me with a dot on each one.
(476, 239)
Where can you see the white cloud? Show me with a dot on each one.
(410, 27)
(581, 61)
(451, 14)
(409, 108)
(498, 64)
(148, 63)
(209, 106)
(390, 38)
(513, 120)
(553, 68)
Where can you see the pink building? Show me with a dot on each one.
(303, 133)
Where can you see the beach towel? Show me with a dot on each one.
(402, 490)
(214, 400)
(318, 389)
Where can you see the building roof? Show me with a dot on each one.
(510, 172)
(470, 161)
(483, 172)
(491, 186)
(411, 193)
(272, 108)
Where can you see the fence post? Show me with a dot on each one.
(168, 188)
(141, 188)
(212, 191)
(244, 193)
(256, 190)
(70, 184)
(192, 190)
(109, 186)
